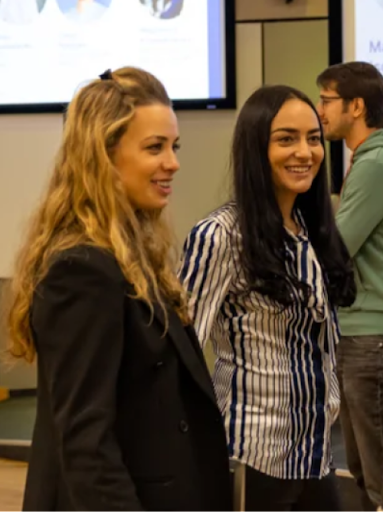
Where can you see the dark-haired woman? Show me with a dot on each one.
(265, 274)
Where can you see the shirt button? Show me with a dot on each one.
(183, 426)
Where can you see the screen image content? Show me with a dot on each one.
(83, 11)
(164, 9)
(20, 12)
(50, 48)
(368, 32)
(355, 34)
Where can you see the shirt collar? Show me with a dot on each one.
(302, 236)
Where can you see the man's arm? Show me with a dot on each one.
(361, 205)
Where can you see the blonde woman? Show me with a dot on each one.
(127, 417)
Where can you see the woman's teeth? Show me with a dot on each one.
(299, 170)
(163, 183)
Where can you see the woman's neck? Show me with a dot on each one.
(287, 207)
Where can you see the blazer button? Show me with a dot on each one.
(159, 364)
(184, 426)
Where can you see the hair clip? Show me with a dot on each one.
(106, 75)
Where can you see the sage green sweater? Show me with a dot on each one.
(360, 222)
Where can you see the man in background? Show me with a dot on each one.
(351, 109)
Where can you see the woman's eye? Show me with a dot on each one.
(315, 139)
(155, 147)
(176, 147)
(286, 139)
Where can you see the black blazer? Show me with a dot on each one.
(127, 417)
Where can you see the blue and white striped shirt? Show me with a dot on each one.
(274, 373)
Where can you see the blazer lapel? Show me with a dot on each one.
(187, 345)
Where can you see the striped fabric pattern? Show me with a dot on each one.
(274, 373)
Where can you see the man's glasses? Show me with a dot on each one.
(326, 100)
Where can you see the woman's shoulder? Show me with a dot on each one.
(223, 219)
(87, 258)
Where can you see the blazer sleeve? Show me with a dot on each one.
(78, 324)
(206, 272)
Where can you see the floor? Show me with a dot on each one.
(12, 481)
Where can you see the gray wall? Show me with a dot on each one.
(13, 375)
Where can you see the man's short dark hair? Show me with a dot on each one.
(357, 80)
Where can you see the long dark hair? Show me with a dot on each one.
(260, 218)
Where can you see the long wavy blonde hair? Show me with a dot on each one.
(85, 204)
